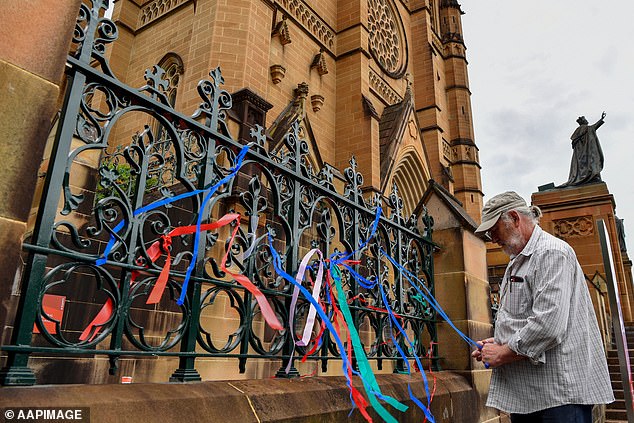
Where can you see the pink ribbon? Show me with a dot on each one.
(310, 320)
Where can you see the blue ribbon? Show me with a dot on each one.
(209, 193)
(340, 257)
(415, 282)
(277, 265)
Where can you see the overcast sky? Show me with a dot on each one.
(534, 67)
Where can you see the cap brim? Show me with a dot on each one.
(487, 224)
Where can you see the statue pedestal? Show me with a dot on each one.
(571, 214)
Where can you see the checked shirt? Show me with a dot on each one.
(546, 314)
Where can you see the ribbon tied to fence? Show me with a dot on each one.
(163, 244)
(340, 311)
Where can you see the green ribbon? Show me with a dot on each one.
(367, 376)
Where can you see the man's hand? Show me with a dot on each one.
(496, 355)
(477, 354)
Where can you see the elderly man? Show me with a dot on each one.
(547, 355)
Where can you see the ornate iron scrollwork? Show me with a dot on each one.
(111, 201)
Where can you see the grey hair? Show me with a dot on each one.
(534, 213)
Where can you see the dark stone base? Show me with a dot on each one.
(185, 375)
(17, 376)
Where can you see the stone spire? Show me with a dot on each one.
(465, 161)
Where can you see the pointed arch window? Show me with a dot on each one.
(172, 64)
(432, 15)
(411, 177)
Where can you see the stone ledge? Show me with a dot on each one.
(317, 399)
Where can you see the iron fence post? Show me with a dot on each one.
(186, 371)
(292, 254)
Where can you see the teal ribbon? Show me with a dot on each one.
(367, 376)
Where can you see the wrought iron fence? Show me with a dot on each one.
(91, 241)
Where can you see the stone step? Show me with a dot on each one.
(630, 347)
(619, 404)
(616, 384)
(616, 415)
(615, 375)
(629, 344)
(616, 368)
(615, 353)
(615, 361)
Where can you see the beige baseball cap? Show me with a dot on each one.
(497, 205)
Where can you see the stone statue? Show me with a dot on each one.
(620, 231)
(587, 156)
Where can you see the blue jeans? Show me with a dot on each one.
(571, 413)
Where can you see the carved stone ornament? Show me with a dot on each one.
(316, 101)
(282, 31)
(308, 19)
(574, 227)
(319, 63)
(387, 37)
(277, 73)
(157, 9)
(383, 89)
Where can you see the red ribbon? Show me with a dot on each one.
(371, 307)
(162, 246)
(265, 307)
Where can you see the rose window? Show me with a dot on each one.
(386, 38)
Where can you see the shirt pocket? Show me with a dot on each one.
(518, 299)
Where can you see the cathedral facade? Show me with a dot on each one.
(381, 80)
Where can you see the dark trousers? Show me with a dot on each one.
(563, 414)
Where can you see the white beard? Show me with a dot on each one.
(513, 244)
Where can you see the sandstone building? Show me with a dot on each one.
(385, 81)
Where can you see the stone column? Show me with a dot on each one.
(462, 289)
(36, 36)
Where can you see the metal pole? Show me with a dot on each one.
(617, 319)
